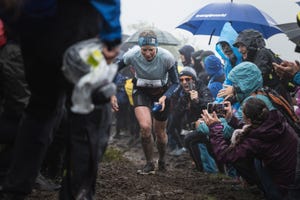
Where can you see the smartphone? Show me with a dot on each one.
(191, 86)
(217, 107)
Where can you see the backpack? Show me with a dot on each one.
(281, 104)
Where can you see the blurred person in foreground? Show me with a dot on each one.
(47, 28)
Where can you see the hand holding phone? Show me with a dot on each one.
(228, 110)
(218, 108)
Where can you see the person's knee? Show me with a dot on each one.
(145, 130)
(162, 138)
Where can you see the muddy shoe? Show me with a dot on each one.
(44, 184)
(162, 166)
(147, 169)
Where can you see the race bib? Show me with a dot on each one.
(148, 83)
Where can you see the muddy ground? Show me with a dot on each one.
(118, 179)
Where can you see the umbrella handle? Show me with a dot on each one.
(212, 33)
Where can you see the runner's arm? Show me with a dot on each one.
(173, 75)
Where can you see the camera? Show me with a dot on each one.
(218, 108)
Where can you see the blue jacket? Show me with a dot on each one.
(228, 34)
(296, 78)
(109, 10)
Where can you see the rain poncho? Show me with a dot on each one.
(228, 35)
(246, 79)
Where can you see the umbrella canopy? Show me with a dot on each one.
(292, 30)
(210, 19)
(163, 37)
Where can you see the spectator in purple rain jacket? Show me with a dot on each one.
(266, 137)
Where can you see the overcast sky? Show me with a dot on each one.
(167, 14)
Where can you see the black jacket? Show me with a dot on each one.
(14, 89)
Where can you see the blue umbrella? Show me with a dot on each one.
(210, 19)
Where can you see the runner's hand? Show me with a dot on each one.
(114, 103)
(161, 101)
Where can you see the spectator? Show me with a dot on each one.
(191, 98)
(186, 55)
(267, 138)
(214, 69)
(199, 68)
(247, 80)
(251, 45)
(227, 51)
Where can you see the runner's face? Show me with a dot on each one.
(148, 52)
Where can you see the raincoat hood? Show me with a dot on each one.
(228, 35)
(187, 51)
(246, 79)
(213, 65)
(270, 129)
(252, 39)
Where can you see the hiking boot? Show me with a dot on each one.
(147, 169)
(44, 184)
(178, 152)
(162, 166)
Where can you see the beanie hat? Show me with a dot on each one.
(188, 71)
(186, 51)
(212, 65)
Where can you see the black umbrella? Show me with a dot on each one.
(163, 37)
(292, 30)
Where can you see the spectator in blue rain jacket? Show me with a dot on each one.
(214, 69)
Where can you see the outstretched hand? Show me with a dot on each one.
(209, 119)
(287, 68)
(226, 92)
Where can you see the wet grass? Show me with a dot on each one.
(112, 154)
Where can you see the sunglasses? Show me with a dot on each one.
(186, 79)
